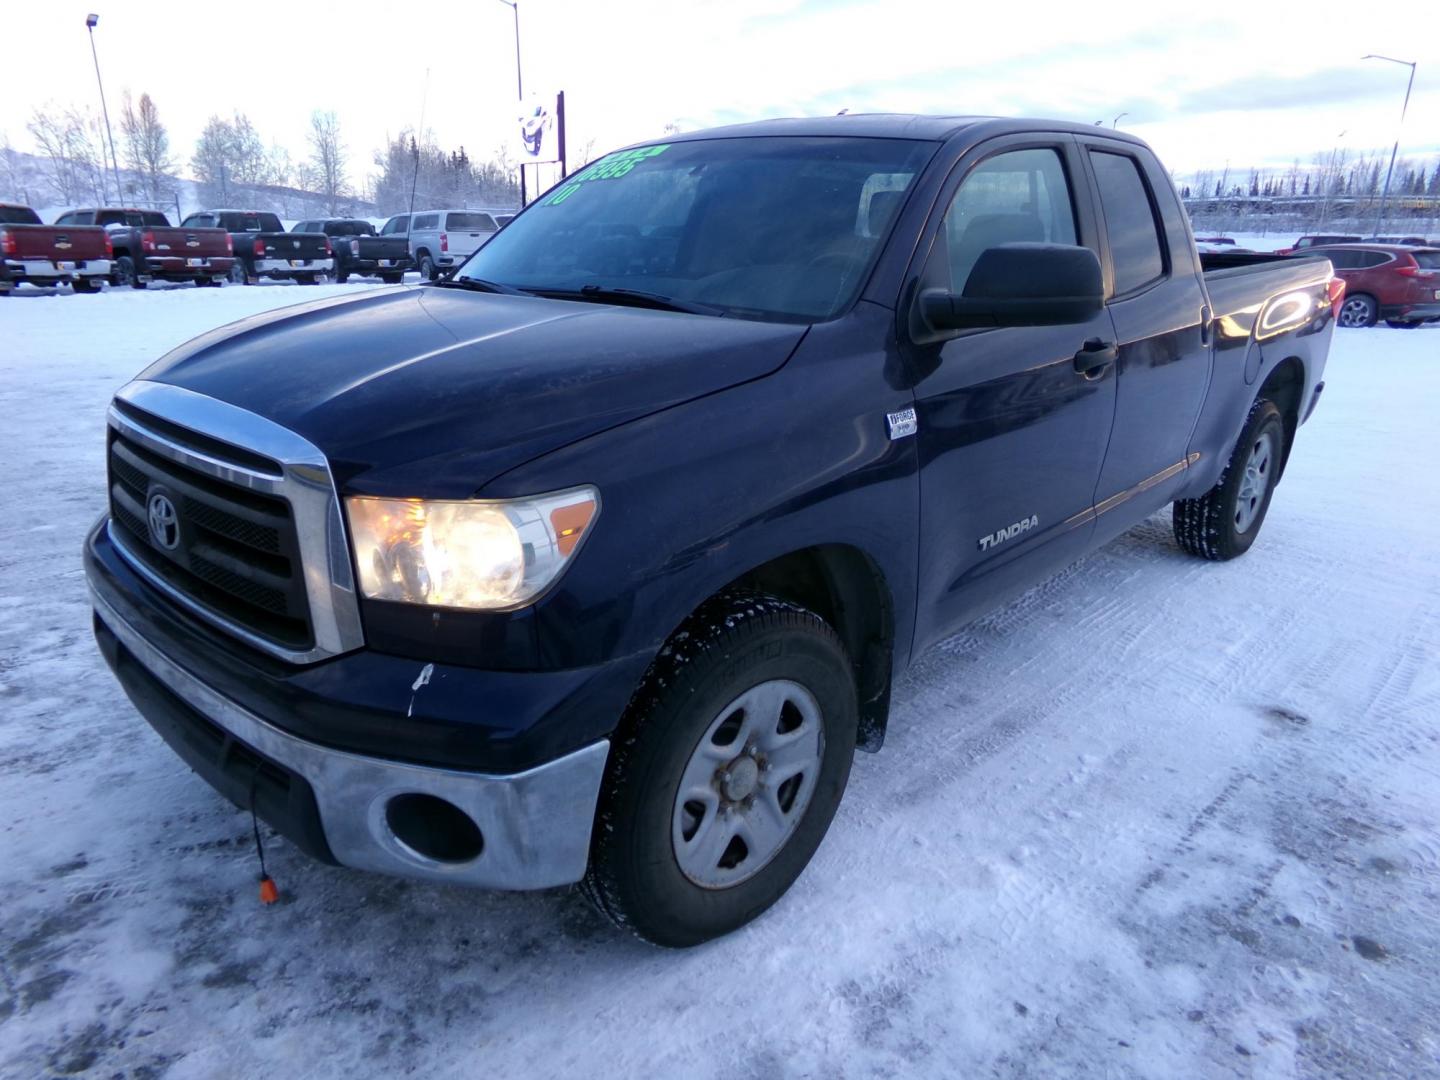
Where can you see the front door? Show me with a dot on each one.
(1011, 435)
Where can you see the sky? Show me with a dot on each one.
(1254, 84)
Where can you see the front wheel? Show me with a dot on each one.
(1224, 522)
(1359, 310)
(725, 773)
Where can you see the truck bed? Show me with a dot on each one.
(1237, 280)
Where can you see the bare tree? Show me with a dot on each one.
(230, 153)
(146, 145)
(70, 142)
(327, 159)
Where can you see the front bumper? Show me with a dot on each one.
(277, 267)
(535, 825)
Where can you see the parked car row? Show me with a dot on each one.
(89, 246)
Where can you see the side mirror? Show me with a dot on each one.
(1021, 284)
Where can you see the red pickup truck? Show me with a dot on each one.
(50, 255)
(148, 248)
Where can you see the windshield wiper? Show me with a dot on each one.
(631, 297)
(481, 285)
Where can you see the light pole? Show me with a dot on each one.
(514, 6)
(1116, 122)
(90, 21)
(1385, 195)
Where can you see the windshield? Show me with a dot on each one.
(772, 228)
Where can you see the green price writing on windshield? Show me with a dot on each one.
(610, 167)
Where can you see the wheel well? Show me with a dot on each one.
(844, 587)
(421, 251)
(1284, 386)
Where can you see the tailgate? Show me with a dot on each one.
(191, 243)
(293, 245)
(384, 247)
(57, 244)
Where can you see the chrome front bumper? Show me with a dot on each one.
(535, 824)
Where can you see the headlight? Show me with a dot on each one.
(477, 553)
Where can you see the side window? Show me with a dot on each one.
(393, 226)
(66, 219)
(1135, 244)
(1339, 258)
(199, 221)
(427, 221)
(1021, 195)
(1366, 259)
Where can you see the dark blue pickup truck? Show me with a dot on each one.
(597, 561)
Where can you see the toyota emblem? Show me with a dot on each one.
(164, 521)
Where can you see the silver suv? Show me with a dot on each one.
(442, 239)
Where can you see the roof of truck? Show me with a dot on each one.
(891, 126)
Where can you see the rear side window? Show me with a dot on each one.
(1017, 196)
(152, 219)
(427, 221)
(1339, 258)
(1134, 230)
(470, 222)
(1366, 259)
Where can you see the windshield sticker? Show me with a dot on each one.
(610, 167)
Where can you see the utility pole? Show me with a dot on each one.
(90, 21)
(514, 6)
(1385, 195)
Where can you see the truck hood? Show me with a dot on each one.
(433, 392)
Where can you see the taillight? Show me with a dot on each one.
(1335, 292)
(328, 249)
(229, 245)
(109, 247)
(355, 247)
(8, 244)
(444, 242)
(259, 248)
(1408, 271)
(147, 241)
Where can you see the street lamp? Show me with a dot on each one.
(90, 21)
(1116, 122)
(1385, 195)
(514, 6)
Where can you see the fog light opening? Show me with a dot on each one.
(433, 828)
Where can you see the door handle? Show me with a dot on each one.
(1095, 356)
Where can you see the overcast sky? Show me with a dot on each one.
(1206, 82)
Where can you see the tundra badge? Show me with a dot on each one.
(999, 536)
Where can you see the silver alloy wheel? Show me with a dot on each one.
(1255, 482)
(1355, 312)
(747, 784)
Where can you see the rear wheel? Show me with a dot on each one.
(1400, 324)
(1359, 310)
(427, 268)
(87, 285)
(341, 276)
(307, 279)
(392, 279)
(725, 773)
(1224, 522)
(238, 274)
(125, 273)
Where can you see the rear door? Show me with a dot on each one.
(1011, 435)
(1162, 324)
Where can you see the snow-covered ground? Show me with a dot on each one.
(1157, 818)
